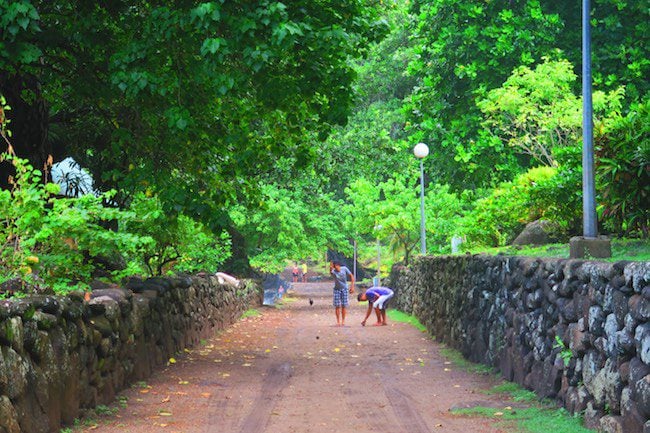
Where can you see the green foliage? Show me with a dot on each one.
(50, 242)
(463, 50)
(497, 218)
(389, 211)
(623, 172)
(536, 112)
(517, 393)
(61, 243)
(565, 353)
(250, 313)
(190, 101)
(289, 224)
(179, 244)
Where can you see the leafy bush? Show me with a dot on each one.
(179, 244)
(497, 218)
(623, 172)
(559, 197)
(50, 242)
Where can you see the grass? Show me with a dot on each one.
(457, 358)
(251, 312)
(516, 392)
(398, 316)
(530, 420)
(540, 417)
(622, 249)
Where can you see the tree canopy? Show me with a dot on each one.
(281, 128)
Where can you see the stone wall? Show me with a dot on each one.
(60, 355)
(507, 311)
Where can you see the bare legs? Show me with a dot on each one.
(381, 317)
(340, 316)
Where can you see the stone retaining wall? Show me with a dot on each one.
(60, 355)
(507, 312)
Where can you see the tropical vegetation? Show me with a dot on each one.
(239, 135)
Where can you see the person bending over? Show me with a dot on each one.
(377, 298)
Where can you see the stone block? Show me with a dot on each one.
(611, 424)
(581, 247)
(642, 395)
(8, 416)
(642, 340)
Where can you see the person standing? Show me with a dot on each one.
(304, 272)
(377, 298)
(295, 272)
(341, 274)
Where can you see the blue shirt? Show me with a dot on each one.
(374, 293)
(341, 278)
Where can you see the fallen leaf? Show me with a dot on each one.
(144, 391)
(164, 413)
(206, 394)
(498, 413)
(172, 360)
(183, 382)
(166, 399)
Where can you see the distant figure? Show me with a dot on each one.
(311, 301)
(295, 272)
(377, 298)
(304, 272)
(341, 274)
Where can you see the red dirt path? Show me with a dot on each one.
(291, 371)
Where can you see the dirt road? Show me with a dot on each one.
(290, 370)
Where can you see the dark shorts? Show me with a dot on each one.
(340, 297)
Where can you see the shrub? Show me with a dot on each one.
(497, 218)
(179, 244)
(50, 242)
(623, 172)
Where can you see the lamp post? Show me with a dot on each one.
(378, 227)
(590, 244)
(590, 229)
(421, 151)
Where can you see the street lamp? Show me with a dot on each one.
(378, 227)
(590, 244)
(421, 151)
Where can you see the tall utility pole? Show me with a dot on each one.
(589, 220)
(590, 244)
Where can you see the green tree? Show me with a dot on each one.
(187, 100)
(289, 224)
(536, 112)
(623, 171)
(465, 49)
(390, 211)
